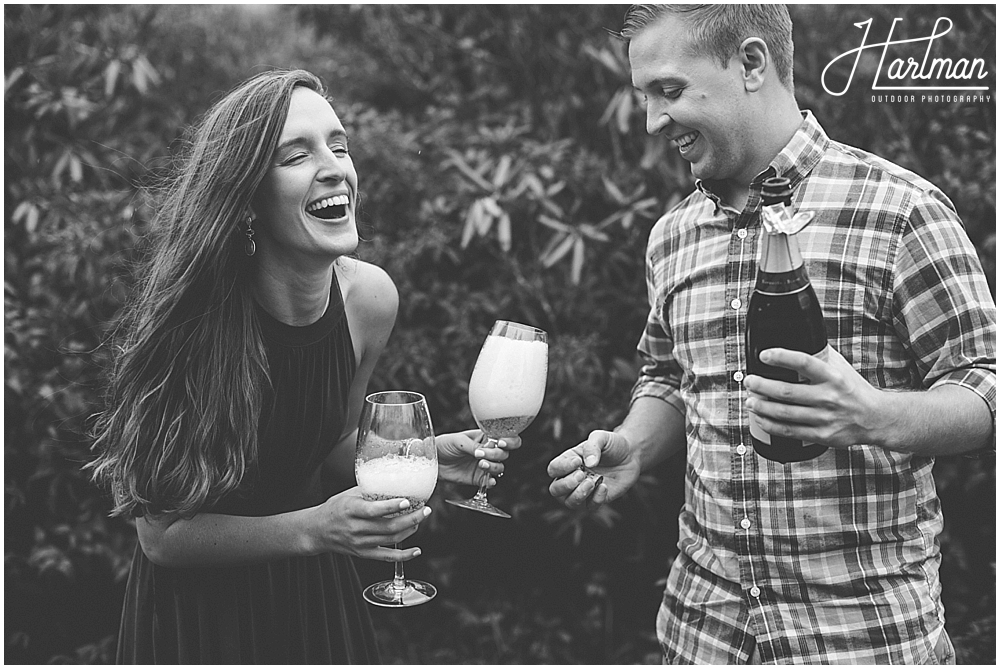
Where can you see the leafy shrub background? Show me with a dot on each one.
(505, 174)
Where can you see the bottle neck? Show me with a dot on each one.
(780, 254)
(781, 268)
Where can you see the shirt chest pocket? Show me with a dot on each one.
(857, 309)
(698, 317)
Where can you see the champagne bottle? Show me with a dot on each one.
(783, 312)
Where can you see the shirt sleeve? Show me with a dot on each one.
(943, 307)
(660, 375)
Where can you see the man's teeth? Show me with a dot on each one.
(341, 200)
(686, 140)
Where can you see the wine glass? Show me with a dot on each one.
(396, 457)
(506, 391)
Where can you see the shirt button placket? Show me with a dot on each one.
(746, 524)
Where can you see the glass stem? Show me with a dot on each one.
(481, 493)
(398, 581)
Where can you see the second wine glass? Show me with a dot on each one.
(506, 391)
(396, 457)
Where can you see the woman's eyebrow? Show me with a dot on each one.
(304, 141)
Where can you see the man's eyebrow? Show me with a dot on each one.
(661, 82)
(304, 141)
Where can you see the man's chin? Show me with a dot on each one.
(701, 171)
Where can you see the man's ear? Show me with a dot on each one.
(755, 61)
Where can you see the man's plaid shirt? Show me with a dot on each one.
(834, 559)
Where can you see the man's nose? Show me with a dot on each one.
(657, 119)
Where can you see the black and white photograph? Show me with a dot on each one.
(500, 334)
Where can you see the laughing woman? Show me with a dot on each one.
(236, 391)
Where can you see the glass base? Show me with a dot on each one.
(384, 593)
(481, 506)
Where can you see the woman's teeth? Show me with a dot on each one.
(329, 208)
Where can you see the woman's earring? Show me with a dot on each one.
(250, 247)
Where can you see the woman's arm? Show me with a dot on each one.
(345, 523)
(464, 458)
(371, 301)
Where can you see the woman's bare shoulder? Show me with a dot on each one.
(370, 295)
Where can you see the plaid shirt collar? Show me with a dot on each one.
(795, 161)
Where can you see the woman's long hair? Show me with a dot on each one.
(185, 390)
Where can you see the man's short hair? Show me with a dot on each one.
(719, 30)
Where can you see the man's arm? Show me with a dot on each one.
(652, 431)
(654, 428)
(839, 408)
(945, 420)
(655, 431)
(945, 319)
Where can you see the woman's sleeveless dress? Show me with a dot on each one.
(288, 611)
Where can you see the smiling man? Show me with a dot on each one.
(727, 122)
(835, 559)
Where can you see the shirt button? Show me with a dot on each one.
(742, 233)
(736, 304)
(745, 523)
(755, 591)
(738, 376)
(741, 449)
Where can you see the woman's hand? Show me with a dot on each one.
(463, 457)
(347, 523)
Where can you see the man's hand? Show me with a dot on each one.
(607, 454)
(837, 408)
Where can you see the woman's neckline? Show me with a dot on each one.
(300, 335)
